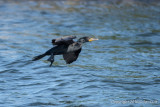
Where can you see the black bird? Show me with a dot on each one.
(67, 47)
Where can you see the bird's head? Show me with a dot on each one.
(86, 39)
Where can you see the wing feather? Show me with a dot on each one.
(71, 56)
(67, 40)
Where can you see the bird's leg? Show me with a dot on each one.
(51, 59)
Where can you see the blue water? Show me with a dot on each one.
(121, 69)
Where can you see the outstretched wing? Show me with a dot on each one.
(67, 40)
(71, 56)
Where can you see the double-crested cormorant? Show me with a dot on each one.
(67, 47)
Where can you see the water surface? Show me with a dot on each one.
(122, 66)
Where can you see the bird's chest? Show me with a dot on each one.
(74, 47)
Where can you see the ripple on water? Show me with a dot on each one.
(9, 71)
(42, 104)
(63, 84)
(91, 87)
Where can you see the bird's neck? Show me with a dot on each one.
(79, 42)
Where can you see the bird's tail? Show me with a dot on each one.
(38, 57)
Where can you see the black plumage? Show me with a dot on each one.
(67, 47)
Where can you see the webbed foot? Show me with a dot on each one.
(51, 59)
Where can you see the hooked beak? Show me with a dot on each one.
(92, 39)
